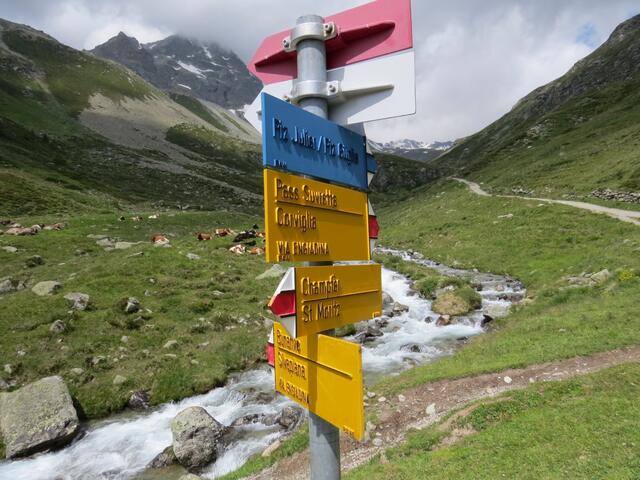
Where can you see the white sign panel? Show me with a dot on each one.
(376, 89)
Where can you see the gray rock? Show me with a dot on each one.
(193, 256)
(601, 276)
(190, 476)
(8, 369)
(132, 305)
(106, 243)
(171, 344)
(9, 249)
(98, 359)
(497, 310)
(77, 371)
(139, 400)
(80, 301)
(164, 459)
(276, 271)
(399, 308)
(290, 418)
(3, 386)
(387, 300)
(270, 449)
(123, 245)
(196, 435)
(370, 334)
(254, 418)
(119, 380)
(38, 417)
(44, 289)
(7, 285)
(58, 327)
(34, 261)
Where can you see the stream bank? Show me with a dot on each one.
(121, 447)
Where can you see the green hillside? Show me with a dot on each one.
(570, 137)
(45, 87)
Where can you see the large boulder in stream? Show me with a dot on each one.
(459, 301)
(196, 436)
(38, 417)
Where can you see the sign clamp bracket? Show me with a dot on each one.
(309, 31)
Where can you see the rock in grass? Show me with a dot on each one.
(601, 276)
(171, 344)
(7, 285)
(119, 380)
(58, 327)
(276, 271)
(271, 448)
(139, 400)
(10, 249)
(131, 305)
(44, 289)
(34, 261)
(79, 301)
(196, 435)
(190, 476)
(38, 417)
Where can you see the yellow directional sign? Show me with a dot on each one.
(333, 296)
(324, 375)
(311, 221)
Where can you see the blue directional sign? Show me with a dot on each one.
(300, 142)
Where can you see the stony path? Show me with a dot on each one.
(624, 215)
(409, 411)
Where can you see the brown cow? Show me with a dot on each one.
(160, 240)
(222, 232)
(204, 237)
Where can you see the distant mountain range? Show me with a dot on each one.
(187, 67)
(412, 149)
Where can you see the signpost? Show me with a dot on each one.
(311, 300)
(311, 221)
(324, 375)
(316, 207)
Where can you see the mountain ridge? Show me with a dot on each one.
(577, 133)
(181, 65)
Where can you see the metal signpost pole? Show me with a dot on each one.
(324, 438)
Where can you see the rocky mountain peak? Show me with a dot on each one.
(183, 65)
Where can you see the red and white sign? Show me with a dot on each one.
(369, 31)
(283, 302)
(370, 63)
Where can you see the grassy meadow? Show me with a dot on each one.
(213, 307)
(580, 428)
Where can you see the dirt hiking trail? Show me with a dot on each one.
(426, 404)
(624, 215)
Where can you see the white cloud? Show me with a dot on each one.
(474, 59)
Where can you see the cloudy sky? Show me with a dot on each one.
(474, 59)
